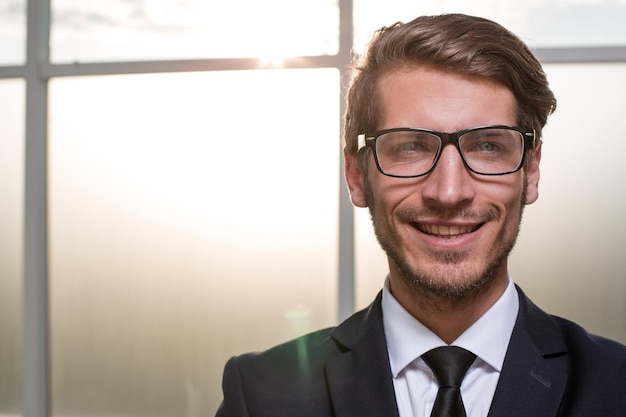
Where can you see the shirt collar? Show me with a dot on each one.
(488, 338)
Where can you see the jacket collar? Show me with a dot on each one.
(535, 371)
(359, 379)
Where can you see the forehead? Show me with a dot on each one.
(439, 100)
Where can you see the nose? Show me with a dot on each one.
(449, 184)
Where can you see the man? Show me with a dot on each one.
(443, 145)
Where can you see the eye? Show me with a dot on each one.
(489, 142)
(408, 144)
(487, 146)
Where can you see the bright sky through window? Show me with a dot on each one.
(85, 31)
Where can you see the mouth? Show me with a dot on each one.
(445, 231)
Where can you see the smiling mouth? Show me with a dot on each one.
(445, 231)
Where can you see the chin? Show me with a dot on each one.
(450, 280)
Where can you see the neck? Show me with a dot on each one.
(447, 317)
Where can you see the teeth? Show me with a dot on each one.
(439, 230)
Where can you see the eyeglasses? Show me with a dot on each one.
(486, 150)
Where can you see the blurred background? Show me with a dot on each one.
(172, 191)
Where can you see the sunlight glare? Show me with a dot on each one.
(215, 157)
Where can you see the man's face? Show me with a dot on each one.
(447, 233)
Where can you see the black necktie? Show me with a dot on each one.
(449, 364)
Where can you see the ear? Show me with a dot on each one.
(354, 178)
(532, 175)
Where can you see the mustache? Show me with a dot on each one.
(413, 215)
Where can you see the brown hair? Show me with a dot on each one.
(456, 43)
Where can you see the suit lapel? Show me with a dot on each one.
(532, 383)
(359, 380)
(534, 374)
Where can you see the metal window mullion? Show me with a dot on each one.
(191, 65)
(11, 72)
(579, 55)
(346, 256)
(35, 346)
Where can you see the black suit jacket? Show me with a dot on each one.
(552, 368)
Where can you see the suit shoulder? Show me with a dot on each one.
(309, 347)
(296, 364)
(314, 348)
(597, 371)
(291, 378)
(284, 380)
(555, 335)
(580, 340)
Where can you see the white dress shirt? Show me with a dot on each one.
(407, 339)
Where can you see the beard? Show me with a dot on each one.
(449, 275)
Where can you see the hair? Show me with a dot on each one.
(454, 43)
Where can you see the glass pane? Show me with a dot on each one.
(119, 30)
(192, 217)
(11, 178)
(13, 32)
(541, 23)
(569, 257)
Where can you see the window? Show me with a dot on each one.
(118, 30)
(11, 180)
(12, 32)
(190, 217)
(540, 23)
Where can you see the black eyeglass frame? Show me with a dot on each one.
(452, 138)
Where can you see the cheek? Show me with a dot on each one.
(507, 197)
(387, 194)
(515, 206)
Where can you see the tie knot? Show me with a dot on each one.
(449, 364)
